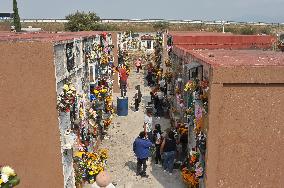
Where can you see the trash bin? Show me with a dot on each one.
(122, 106)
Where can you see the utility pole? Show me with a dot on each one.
(223, 26)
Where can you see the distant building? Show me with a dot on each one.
(147, 42)
(4, 16)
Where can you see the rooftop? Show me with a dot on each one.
(45, 36)
(229, 58)
(207, 40)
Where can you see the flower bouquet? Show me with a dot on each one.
(192, 170)
(183, 130)
(168, 76)
(67, 98)
(107, 123)
(8, 177)
(89, 165)
(190, 86)
(104, 59)
(168, 63)
(189, 178)
(198, 125)
(101, 92)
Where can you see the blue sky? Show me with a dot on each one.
(230, 10)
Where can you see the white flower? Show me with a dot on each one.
(5, 178)
(7, 171)
(192, 153)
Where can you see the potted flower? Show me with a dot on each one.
(8, 177)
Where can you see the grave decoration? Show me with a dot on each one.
(168, 76)
(192, 170)
(158, 53)
(89, 164)
(66, 98)
(8, 177)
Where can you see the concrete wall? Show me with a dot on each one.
(246, 128)
(29, 139)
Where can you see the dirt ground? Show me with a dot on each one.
(122, 162)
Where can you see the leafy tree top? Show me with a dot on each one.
(82, 21)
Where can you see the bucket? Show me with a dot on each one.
(122, 106)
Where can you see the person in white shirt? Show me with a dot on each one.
(148, 123)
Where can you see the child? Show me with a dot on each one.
(137, 97)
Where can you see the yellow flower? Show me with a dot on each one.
(91, 173)
(66, 87)
(79, 154)
(104, 90)
(96, 92)
(1, 181)
(72, 88)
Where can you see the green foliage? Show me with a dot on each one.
(81, 21)
(17, 21)
(248, 30)
(161, 26)
(265, 30)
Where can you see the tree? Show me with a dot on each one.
(81, 21)
(17, 21)
(161, 26)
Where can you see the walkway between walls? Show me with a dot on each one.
(122, 162)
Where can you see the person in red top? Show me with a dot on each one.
(138, 64)
(123, 81)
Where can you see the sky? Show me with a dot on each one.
(228, 10)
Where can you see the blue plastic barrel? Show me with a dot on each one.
(122, 106)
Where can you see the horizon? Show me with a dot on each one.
(240, 11)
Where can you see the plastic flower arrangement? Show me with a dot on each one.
(188, 112)
(168, 76)
(8, 177)
(193, 170)
(190, 86)
(89, 165)
(168, 63)
(100, 91)
(190, 178)
(107, 123)
(67, 98)
(204, 84)
(198, 125)
(104, 59)
(182, 129)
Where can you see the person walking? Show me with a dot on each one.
(148, 121)
(141, 148)
(157, 137)
(149, 76)
(168, 148)
(159, 103)
(138, 64)
(137, 97)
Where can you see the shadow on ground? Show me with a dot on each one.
(131, 165)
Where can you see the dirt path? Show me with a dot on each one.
(122, 162)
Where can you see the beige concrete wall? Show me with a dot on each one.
(29, 138)
(243, 74)
(246, 129)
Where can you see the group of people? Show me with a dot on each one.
(164, 145)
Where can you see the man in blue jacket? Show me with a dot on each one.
(141, 148)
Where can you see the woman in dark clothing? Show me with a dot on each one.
(183, 141)
(169, 148)
(158, 141)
